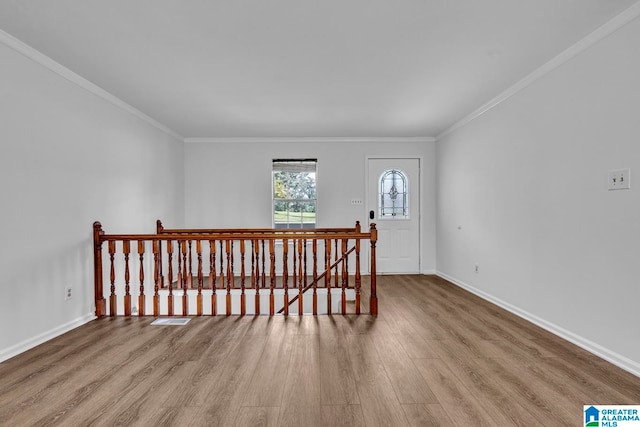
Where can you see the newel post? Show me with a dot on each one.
(101, 306)
(373, 309)
(358, 279)
(160, 230)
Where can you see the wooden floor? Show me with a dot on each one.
(436, 355)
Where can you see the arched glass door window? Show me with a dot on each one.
(393, 195)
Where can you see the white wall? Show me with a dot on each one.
(522, 192)
(68, 158)
(229, 184)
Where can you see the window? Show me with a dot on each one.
(294, 193)
(393, 195)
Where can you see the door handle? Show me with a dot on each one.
(372, 214)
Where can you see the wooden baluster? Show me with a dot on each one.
(243, 301)
(190, 276)
(300, 278)
(255, 247)
(179, 256)
(113, 301)
(315, 276)
(126, 250)
(346, 265)
(373, 300)
(285, 274)
(294, 245)
(170, 277)
(335, 258)
(199, 297)
(185, 278)
(306, 271)
(157, 262)
(272, 283)
(179, 268)
(232, 274)
(141, 296)
(345, 276)
(221, 266)
(304, 249)
(327, 277)
(358, 278)
(229, 274)
(264, 280)
(213, 277)
(185, 272)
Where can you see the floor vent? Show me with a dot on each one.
(181, 321)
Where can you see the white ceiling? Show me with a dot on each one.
(304, 68)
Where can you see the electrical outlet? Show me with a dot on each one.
(620, 179)
(67, 293)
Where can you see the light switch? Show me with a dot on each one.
(620, 179)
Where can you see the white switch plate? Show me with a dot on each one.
(620, 179)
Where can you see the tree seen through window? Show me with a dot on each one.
(294, 193)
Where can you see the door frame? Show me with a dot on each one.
(420, 159)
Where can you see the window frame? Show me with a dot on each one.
(312, 169)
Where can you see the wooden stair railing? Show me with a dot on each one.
(228, 254)
(315, 281)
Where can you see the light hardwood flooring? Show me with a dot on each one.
(435, 355)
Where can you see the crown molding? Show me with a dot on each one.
(307, 139)
(599, 34)
(40, 58)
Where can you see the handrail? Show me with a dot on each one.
(178, 250)
(160, 229)
(229, 236)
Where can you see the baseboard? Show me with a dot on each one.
(429, 272)
(46, 336)
(617, 359)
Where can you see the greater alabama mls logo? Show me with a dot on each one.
(592, 417)
(611, 415)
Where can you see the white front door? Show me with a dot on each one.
(394, 198)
